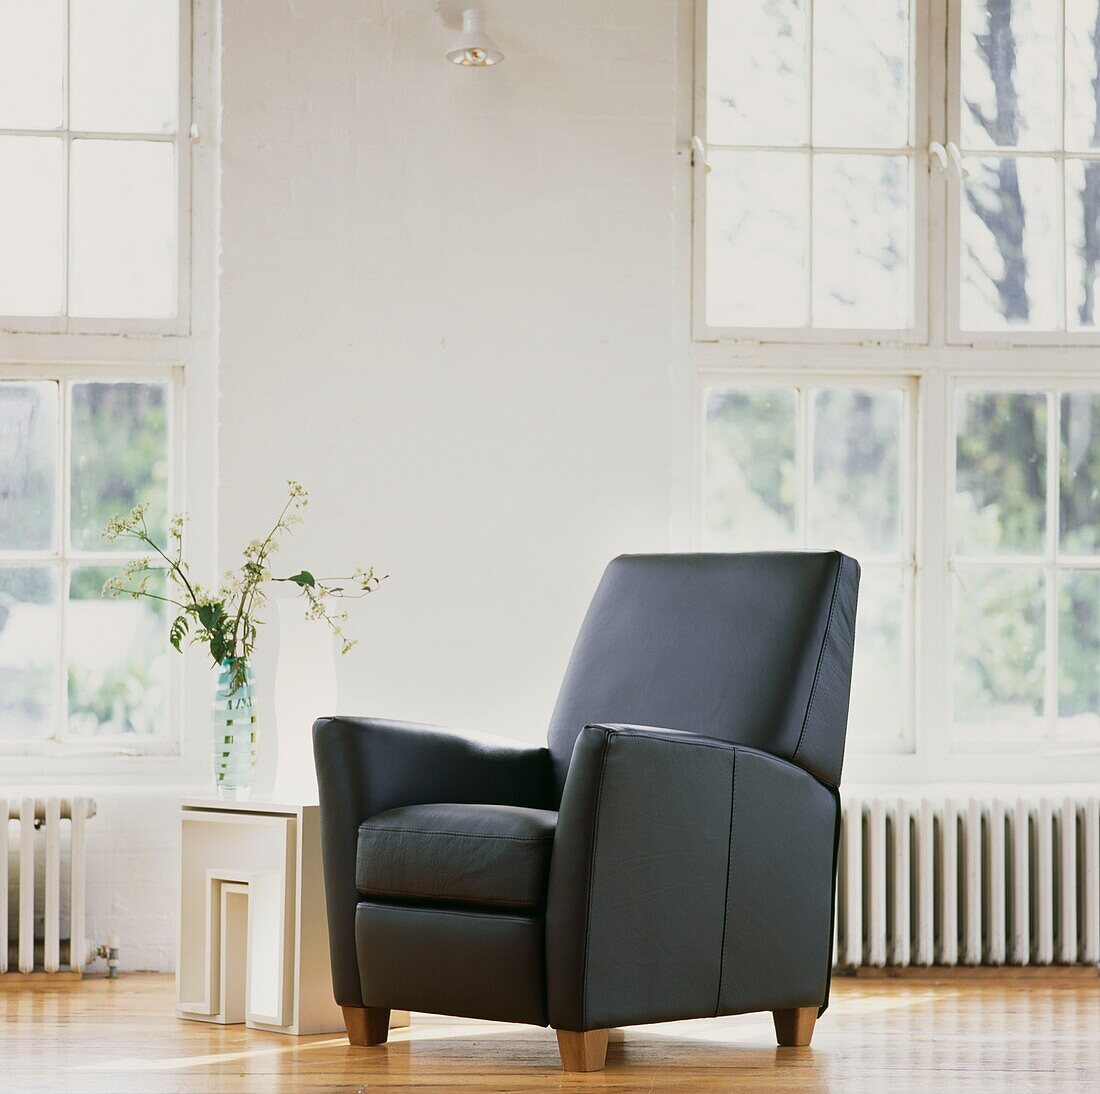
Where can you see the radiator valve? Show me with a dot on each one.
(110, 953)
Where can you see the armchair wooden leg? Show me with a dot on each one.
(794, 1028)
(367, 1025)
(582, 1051)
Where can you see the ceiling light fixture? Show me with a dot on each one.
(473, 47)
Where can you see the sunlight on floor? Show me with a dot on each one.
(123, 1037)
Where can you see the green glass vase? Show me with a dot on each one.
(233, 723)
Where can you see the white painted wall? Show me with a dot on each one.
(449, 307)
(133, 876)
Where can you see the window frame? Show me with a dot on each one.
(186, 352)
(917, 154)
(937, 38)
(63, 558)
(955, 334)
(181, 140)
(1051, 562)
(936, 361)
(932, 748)
(805, 383)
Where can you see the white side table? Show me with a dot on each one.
(253, 926)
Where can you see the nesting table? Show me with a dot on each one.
(253, 945)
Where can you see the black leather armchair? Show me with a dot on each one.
(627, 873)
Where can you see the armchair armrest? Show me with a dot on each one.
(367, 765)
(690, 877)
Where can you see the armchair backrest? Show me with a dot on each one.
(752, 648)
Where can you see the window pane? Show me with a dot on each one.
(119, 458)
(756, 72)
(117, 661)
(1079, 652)
(855, 500)
(1000, 472)
(999, 656)
(878, 686)
(861, 241)
(28, 465)
(751, 468)
(1010, 69)
(124, 66)
(861, 73)
(32, 64)
(1079, 514)
(122, 229)
(28, 650)
(1082, 95)
(1082, 241)
(32, 220)
(757, 232)
(1011, 245)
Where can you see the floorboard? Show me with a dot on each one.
(900, 1036)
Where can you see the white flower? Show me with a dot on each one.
(136, 566)
(113, 587)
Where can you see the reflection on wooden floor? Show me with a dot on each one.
(897, 1036)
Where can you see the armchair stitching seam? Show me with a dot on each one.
(726, 902)
(672, 741)
(494, 916)
(731, 747)
(443, 832)
(820, 656)
(591, 877)
(375, 891)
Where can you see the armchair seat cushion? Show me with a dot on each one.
(491, 856)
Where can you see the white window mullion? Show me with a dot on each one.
(909, 471)
(810, 13)
(66, 139)
(1063, 265)
(803, 462)
(1061, 51)
(934, 53)
(183, 158)
(64, 480)
(934, 625)
(1051, 674)
(810, 240)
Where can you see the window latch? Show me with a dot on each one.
(957, 160)
(699, 153)
(942, 156)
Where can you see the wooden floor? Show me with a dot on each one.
(894, 1036)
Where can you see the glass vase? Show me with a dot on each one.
(233, 724)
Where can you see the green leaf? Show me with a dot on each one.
(179, 630)
(304, 579)
(211, 616)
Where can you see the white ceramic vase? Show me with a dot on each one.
(305, 689)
